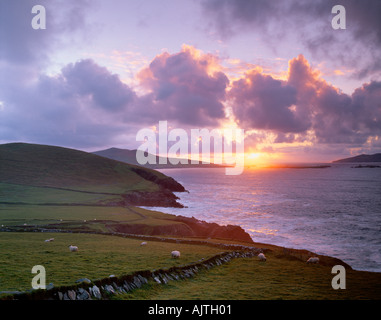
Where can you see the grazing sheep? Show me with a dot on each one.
(313, 260)
(49, 240)
(73, 248)
(143, 243)
(261, 257)
(175, 254)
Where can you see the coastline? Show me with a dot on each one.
(316, 213)
(98, 209)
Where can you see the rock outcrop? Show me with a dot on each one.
(187, 227)
(162, 198)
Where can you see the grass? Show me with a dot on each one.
(282, 276)
(41, 214)
(57, 167)
(13, 193)
(98, 257)
(84, 218)
(276, 279)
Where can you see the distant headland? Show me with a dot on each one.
(129, 156)
(361, 158)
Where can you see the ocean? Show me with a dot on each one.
(333, 211)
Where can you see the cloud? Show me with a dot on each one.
(81, 106)
(85, 104)
(305, 24)
(230, 17)
(186, 87)
(262, 102)
(22, 45)
(306, 107)
(104, 89)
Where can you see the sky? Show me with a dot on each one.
(101, 71)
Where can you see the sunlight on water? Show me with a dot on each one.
(333, 211)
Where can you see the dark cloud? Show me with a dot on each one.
(306, 23)
(262, 102)
(85, 104)
(22, 45)
(101, 87)
(231, 16)
(305, 105)
(81, 106)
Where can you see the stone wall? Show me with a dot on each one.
(102, 289)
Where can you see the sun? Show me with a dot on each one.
(253, 156)
(261, 159)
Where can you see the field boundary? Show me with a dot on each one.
(104, 289)
(226, 246)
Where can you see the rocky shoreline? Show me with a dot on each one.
(189, 227)
(162, 198)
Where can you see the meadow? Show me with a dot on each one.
(279, 278)
(99, 256)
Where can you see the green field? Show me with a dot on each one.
(277, 279)
(98, 257)
(76, 217)
(24, 194)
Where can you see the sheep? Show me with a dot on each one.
(143, 243)
(175, 254)
(313, 260)
(261, 257)
(49, 240)
(73, 248)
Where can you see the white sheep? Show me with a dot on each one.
(261, 257)
(73, 248)
(143, 243)
(313, 260)
(175, 254)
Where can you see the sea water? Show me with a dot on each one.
(334, 211)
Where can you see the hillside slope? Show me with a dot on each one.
(57, 167)
(361, 158)
(42, 186)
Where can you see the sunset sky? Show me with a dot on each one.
(103, 70)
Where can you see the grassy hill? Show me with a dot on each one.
(57, 167)
(59, 188)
